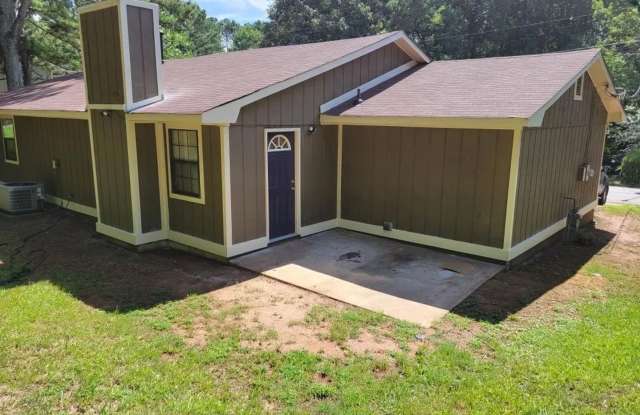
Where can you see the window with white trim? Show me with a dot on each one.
(9, 142)
(184, 156)
(578, 89)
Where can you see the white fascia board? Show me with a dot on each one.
(538, 117)
(349, 95)
(228, 113)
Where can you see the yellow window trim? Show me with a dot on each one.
(176, 125)
(15, 139)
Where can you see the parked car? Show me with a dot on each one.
(603, 187)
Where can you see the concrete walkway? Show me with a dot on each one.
(620, 194)
(401, 280)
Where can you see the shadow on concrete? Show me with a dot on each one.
(62, 247)
(510, 291)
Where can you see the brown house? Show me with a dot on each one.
(229, 152)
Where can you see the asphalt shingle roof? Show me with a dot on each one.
(195, 85)
(503, 87)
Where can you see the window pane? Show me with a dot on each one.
(10, 150)
(7, 129)
(185, 167)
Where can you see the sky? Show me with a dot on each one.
(240, 10)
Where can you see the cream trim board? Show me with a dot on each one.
(297, 175)
(425, 122)
(448, 244)
(174, 125)
(225, 156)
(349, 95)
(162, 176)
(116, 233)
(246, 247)
(339, 175)
(68, 204)
(70, 115)
(15, 139)
(143, 117)
(134, 180)
(228, 113)
(198, 243)
(94, 170)
(318, 227)
(603, 84)
(512, 190)
(106, 107)
(546, 233)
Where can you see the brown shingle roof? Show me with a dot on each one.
(502, 87)
(61, 94)
(195, 85)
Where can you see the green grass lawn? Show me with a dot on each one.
(58, 355)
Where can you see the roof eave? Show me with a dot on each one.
(480, 123)
(597, 70)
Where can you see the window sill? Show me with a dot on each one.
(190, 199)
(14, 162)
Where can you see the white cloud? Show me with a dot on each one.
(240, 10)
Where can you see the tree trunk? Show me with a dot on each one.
(12, 63)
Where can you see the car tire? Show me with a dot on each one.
(602, 199)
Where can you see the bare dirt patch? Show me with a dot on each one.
(272, 317)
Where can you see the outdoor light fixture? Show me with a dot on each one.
(311, 129)
(106, 113)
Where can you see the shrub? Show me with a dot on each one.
(630, 169)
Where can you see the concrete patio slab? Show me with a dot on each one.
(401, 280)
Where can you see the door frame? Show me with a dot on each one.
(297, 141)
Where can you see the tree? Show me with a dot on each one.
(12, 17)
(248, 36)
(305, 21)
(51, 38)
(187, 31)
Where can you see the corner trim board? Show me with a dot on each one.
(227, 219)
(512, 190)
(546, 233)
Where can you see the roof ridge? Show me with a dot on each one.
(559, 52)
(246, 51)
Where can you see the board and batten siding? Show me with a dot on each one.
(448, 183)
(102, 57)
(203, 221)
(572, 134)
(148, 181)
(296, 107)
(42, 140)
(112, 169)
(142, 52)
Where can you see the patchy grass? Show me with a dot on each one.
(621, 210)
(59, 355)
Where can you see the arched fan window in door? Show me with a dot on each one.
(279, 143)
